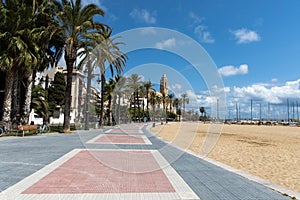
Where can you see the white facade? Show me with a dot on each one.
(77, 94)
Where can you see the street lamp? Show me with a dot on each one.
(87, 99)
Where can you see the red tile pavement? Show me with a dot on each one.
(107, 171)
(125, 131)
(120, 139)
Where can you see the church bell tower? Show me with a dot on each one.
(164, 85)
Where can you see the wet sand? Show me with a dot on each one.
(269, 152)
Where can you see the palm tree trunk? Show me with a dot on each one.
(183, 113)
(16, 97)
(8, 95)
(147, 101)
(114, 109)
(153, 111)
(118, 109)
(102, 100)
(109, 120)
(46, 118)
(143, 108)
(134, 104)
(28, 92)
(147, 107)
(67, 109)
(138, 102)
(87, 97)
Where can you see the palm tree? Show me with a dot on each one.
(119, 92)
(133, 84)
(142, 95)
(153, 101)
(165, 100)
(109, 96)
(171, 100)
(177, 105)
(12, 44)
(202, 110)
(22, 38)
(107, 51)
(148, 87)
(76, 25)
(185, 100)
(50, 46)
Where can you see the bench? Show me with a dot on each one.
(24, 128)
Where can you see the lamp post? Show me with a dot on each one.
(87, 97)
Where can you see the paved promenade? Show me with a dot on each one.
(123, 162)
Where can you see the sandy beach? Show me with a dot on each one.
(269, 152)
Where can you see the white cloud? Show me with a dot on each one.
(227, 89)
(261, 94)
(191, 94)
(176, 87)
(202, 34)
(197, 19)
(256, 91)
(144, 16)
(232, 71)
(166, 44)
(273, 94)
(200, 30)
(245, 36)
(204, 100)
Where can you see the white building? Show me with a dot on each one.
(77, 94)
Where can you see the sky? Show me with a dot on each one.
(254, 45)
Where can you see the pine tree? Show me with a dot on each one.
(56, 92)
(38, 102)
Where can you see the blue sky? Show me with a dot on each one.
(254, 44)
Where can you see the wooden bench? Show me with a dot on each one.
(24, 128)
